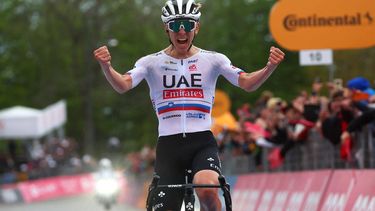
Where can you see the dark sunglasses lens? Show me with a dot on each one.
(187, 25)
(174, 26)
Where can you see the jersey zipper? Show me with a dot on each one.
(183, 118)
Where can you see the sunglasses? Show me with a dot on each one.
(185, 24)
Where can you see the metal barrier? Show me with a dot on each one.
(312, 154)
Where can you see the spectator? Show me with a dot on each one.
(361, 92)
(361, 84)
(357, 123)
(294, 132)
(340, 114)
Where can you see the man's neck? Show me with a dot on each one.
(171, 51)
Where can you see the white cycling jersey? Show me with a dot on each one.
(182, 91)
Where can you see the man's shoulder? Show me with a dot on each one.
(213, 55)
(208, 52)
(157, 54)
(154, 55)
(150, 58)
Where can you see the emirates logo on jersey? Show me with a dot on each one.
(183, 93)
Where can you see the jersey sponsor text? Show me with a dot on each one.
(183, 93)
(169, 81)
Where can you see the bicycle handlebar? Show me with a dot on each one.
(183, 186)
(225, 187)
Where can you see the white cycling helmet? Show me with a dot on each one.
(174, 9)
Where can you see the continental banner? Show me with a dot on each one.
(320, 24)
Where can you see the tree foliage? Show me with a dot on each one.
(46, 55)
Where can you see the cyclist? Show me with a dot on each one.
(182, 79)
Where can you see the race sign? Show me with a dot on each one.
(321, 24)
(315, 57)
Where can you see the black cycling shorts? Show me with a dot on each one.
(174, 155)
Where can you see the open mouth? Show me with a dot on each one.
(182, 41)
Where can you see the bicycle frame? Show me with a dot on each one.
(189, 197)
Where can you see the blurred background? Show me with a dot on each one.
(46, 58)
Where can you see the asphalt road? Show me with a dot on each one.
(76, 203)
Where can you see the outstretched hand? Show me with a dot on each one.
(276, 56)
(103, 56)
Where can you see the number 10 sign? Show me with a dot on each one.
(315, 57)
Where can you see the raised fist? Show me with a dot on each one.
(103, 56)
(276, 56)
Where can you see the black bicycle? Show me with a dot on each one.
(189, 197)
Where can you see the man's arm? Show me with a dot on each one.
(357, 123)
(121, 83)
(251, 81)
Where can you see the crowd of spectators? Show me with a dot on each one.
(280, 125)
(32, 160)
(141, 161)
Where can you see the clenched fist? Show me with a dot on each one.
(103, 56)
(276, 56)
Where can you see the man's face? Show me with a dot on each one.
(336, 104)
(181, 33)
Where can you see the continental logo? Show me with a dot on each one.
(293, 22)
(321, 24)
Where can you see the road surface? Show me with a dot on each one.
(76, 203)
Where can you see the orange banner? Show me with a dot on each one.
(321, 24)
